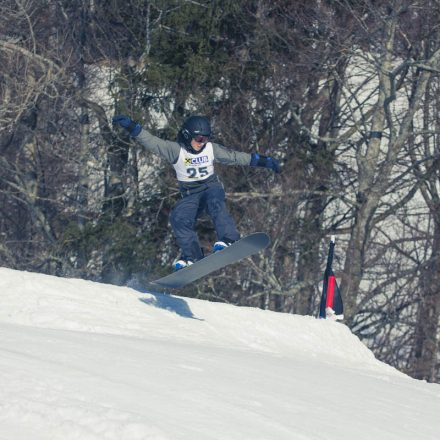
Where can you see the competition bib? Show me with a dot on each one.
(194, 167)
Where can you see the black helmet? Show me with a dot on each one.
(193, 126)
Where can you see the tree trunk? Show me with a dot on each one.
(427, 325)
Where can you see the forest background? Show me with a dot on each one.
(344, 93)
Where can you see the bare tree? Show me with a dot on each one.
(426, 161)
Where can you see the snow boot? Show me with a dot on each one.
(181, 263)
(221, 244)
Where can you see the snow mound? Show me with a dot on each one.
(44, 301)
(83, 360)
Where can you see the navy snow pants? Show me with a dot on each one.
(184, 215)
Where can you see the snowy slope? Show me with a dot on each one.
(82, 360)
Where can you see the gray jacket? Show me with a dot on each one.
(169, 150)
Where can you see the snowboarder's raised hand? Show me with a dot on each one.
(257, 160)
(133, 128)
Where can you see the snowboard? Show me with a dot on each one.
(245, 247)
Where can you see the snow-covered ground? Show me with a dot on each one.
(82, 360)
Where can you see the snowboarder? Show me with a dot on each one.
(193, 156)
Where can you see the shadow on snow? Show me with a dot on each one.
(170, 303)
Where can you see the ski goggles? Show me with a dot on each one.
(201, 139)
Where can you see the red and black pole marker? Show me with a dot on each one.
(331, 300)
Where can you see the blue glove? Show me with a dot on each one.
(257, 160)
(126, 122)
